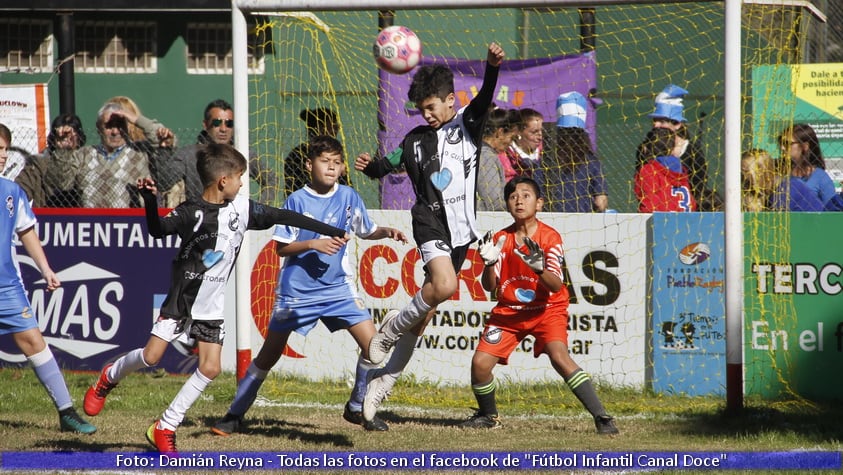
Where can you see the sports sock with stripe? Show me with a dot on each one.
(580, 383)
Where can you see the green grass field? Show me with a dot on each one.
(297, 415)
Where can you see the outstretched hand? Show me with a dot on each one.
(495, 55)
(362, 160)
(147, 185)
(534, 257)
(489, 252)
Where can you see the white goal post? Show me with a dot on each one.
(732, 146)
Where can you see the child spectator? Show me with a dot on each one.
(765, 189)
(211, 230)
(16, 314)
(441, 159)
(524, 271)
(572, 176)
(313, 262)
(661, 184)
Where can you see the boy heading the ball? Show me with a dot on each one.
(441, 160)
(524, 271)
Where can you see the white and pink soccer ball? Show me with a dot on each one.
(397, 49)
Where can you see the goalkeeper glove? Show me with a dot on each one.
(534, 257)
(490, 253)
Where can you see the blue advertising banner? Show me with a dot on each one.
(114, 278)
(688, 304)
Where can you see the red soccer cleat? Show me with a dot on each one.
(162, 439)
(96, 394)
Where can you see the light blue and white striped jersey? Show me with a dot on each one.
(17, 217)
(313, 276)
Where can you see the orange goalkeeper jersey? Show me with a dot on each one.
(519, 289)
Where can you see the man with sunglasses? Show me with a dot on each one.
(178, 179)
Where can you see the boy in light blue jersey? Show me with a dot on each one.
(16, 316)
(316, 281)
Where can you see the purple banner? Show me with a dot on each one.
(114, 278)
(530, 83)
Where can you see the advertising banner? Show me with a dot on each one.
(793, 328)
(25, 110)
(688, 304)
(800, 93)
(114, 277)
(605, 265)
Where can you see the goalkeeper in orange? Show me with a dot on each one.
(524, 270)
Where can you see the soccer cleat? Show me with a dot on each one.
(377, 390)
(606, 425)
(356, 417)
(96, 394)
(71, 421)
(228, 425)
(162, 439)
(481, 421)
(380, 344)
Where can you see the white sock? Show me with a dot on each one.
(189, 393)
(408, 317)
(401, 355)
(125, 365)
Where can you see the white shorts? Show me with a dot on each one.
(186, 331)
(433, 249)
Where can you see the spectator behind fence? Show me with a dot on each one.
(319, 121)
(800, 144)
(497, 136)
(765, 188)
(572, 175)
(526, 149)
(177, 179)
(661, 184)
(105, 174)
(47, 177)
(669, 114)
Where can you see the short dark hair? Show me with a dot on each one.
(509, 188)
(321, 144)
(215, 160)
(216, 104)
(431, 81)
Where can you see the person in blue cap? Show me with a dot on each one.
(573, 178)
(669, 114)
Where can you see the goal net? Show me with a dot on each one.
(647, 290)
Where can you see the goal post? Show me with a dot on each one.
(334, 48)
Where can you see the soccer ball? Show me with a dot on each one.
(397, 49)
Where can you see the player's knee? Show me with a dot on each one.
(444, 288)
(210, 370)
